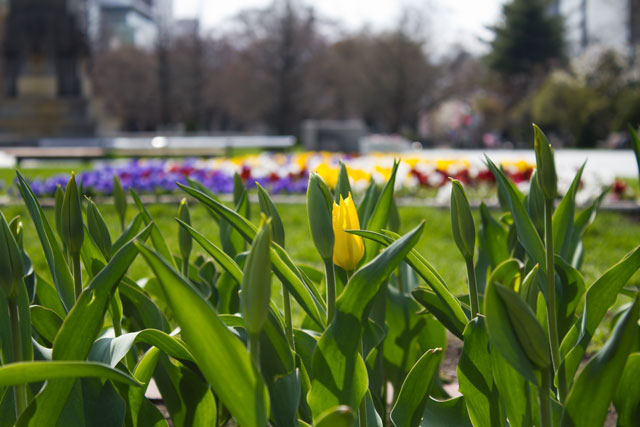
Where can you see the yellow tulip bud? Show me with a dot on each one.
(348, 248)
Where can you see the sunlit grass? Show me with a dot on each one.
(610, 237)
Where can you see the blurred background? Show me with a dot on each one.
(464, 74)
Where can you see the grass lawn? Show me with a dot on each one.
(606, 241)
(611, 237)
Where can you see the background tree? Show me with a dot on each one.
(126, 79)
(528, 41)
(382, 78)
(279, 44)
(188, 69)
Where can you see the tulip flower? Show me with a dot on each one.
(348, 249)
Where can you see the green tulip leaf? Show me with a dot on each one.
(563, 218)
(78, 331)
(412, 399)
(268, 207)
(37, 371)
(627, 397)
(380, 215)
(46, 322)
(444, 306)
(339, 416)
(284, 268)
(339, 375)
(475, 376)
(56, 261)
(219, 354)
(502, 335)
(446, 413)
(157, 239)
(111, 351)
(221, 257)
(590, 396)
(527, 234)
(600, 296)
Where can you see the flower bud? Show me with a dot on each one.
(348, 248)
(119, 200)
(17, 229)
(98, 230)
(59, 200)
(343, 188)
(11, 267)
(256, 280)
(535, 203)
(464, 231)
(545, 164)
(71, 216)
(239, 193)
(270, 210)
(319, 213)
(184, 237)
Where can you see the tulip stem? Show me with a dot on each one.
(77, 273)
(331, 288)
(254, 349)
(185, 267)
(544, 395)
(287, 316)
(19, 390)
(473, 288)
(363, 412)
(551, 285)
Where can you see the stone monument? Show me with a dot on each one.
(45, 88)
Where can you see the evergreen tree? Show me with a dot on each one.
(529, 39)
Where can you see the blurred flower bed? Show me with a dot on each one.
(419, 174)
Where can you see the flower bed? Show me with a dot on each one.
(419, 174)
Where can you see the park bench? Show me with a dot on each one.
(88, 149)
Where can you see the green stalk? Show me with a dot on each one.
(400, 280)
(254, 349)
(20, 389)
(544, 395)
(331, 289)
(363, 413)
(77, 273)
(473, 288)
(551, 285)
(117, 327)
(287, 316)
(185, 267)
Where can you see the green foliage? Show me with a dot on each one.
(464, 231)
(223, 348)
(319, 213)
(71, 217)
(529, 37)
(574, 112)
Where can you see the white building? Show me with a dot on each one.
(114, 23)
(613, 24)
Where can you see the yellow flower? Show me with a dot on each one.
(348, 248)
(328, 173)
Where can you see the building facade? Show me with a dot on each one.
(609, 24)
(115, 23)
